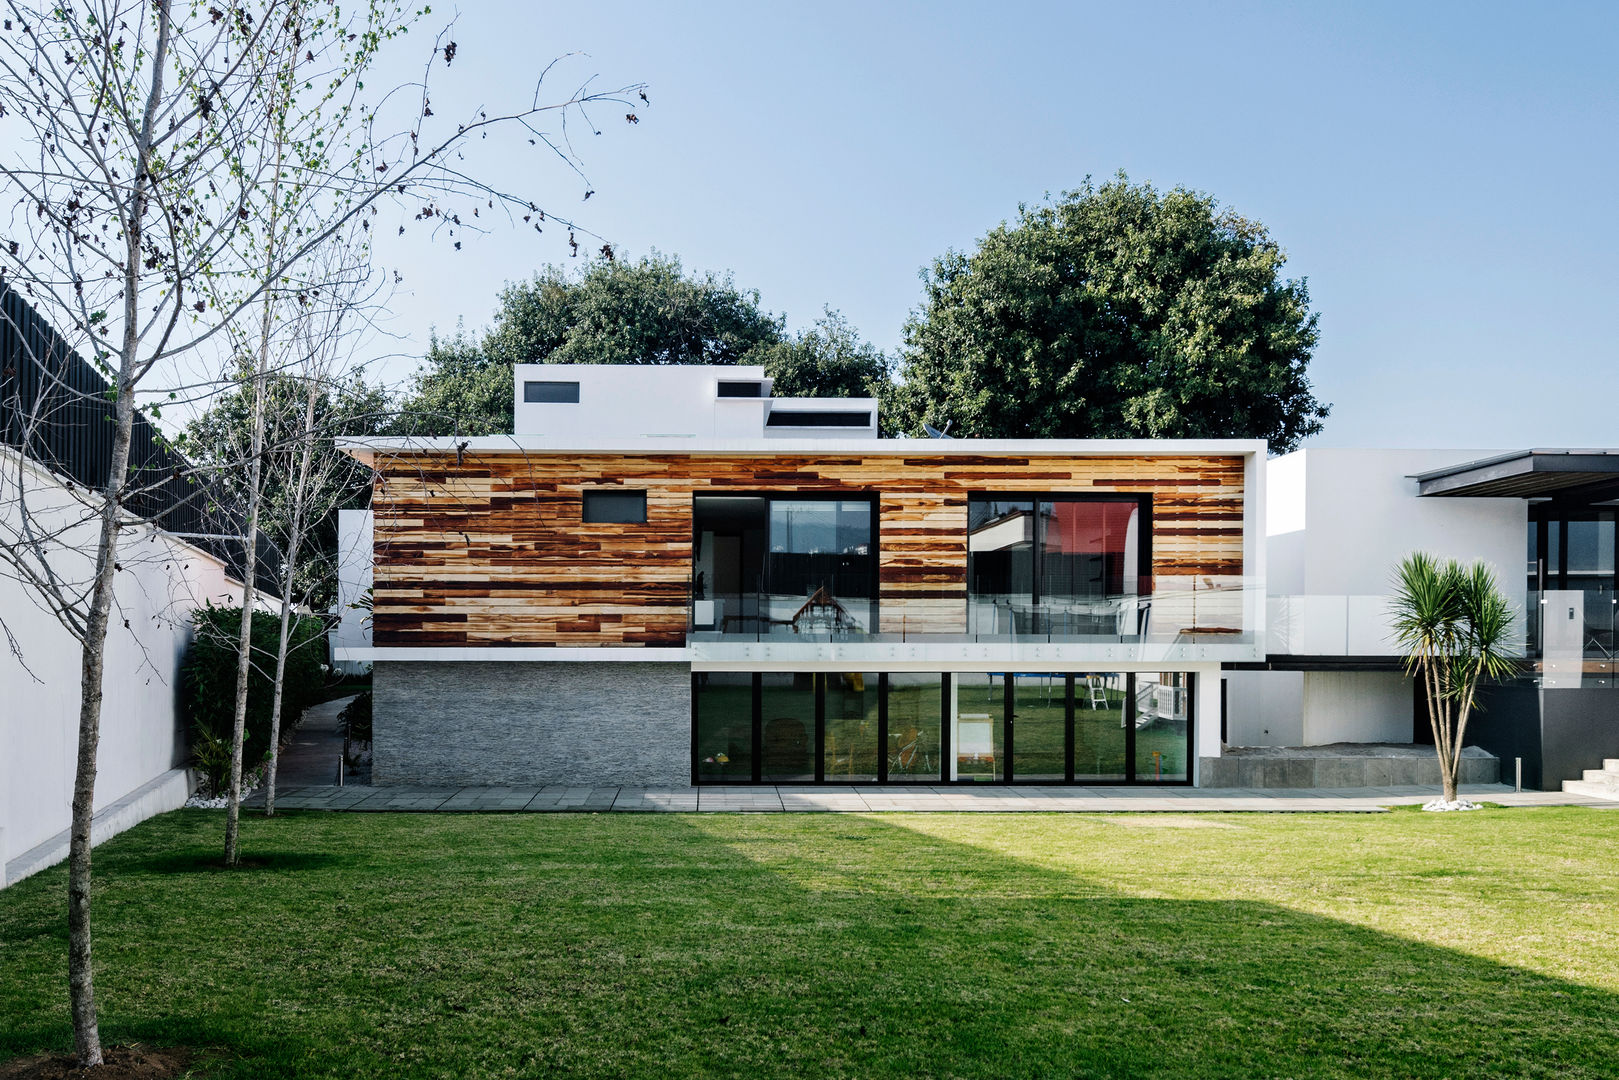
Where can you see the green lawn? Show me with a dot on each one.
(976, 945)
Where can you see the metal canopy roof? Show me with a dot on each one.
(1528, 474)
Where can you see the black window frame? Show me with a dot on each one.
(586, 497)
(947, 692)
(1142, 499)
(533, 394)
(818, 418)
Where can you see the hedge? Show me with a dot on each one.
(210, 684)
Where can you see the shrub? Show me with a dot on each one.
(355, 719)
(209, 687)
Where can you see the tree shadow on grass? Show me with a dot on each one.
(202, 862)
(802, 946)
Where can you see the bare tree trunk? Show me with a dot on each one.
(295, 536)
(244, 642)
(92, 669)
(261, 370)
(81, 988)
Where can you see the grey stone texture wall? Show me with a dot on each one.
(531, 723)
(1299, 767)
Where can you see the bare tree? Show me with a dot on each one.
(134, 215)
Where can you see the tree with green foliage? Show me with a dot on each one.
(1113, 312)
(219, 440)
(615, 311)
(830, 359)
(1455, 628)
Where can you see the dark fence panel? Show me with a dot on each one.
(58, 410)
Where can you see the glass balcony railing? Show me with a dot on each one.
(1201, 610)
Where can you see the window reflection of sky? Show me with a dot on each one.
(816, 527)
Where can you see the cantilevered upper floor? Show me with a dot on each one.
(714, 540)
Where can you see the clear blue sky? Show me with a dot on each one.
(1443, 174)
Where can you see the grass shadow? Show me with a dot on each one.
(810, 945)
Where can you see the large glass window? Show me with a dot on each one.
(915, 705)
(1059, 565)
(978, 735)
(1162, 718)
(1039, 727)
(787, 728)
(1573, 552)
(784, 566)
(724, 718)
(1101, 736)
(861, 727)
(853, 715)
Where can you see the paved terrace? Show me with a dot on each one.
(876, 799)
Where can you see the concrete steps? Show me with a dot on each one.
(1600, 783)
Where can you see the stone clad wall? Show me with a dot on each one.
(528, 724)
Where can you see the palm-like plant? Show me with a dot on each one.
(1455, 628)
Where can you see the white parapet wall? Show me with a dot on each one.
(143, 745)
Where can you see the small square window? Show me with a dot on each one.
(564, 393)
(615, 507)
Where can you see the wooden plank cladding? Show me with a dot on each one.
(491, 549)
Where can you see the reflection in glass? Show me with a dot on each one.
(787, 711)
(850, 748)
(978, 708)
(725, 726)
(1065, 566)
(1100, 717)
(1088, 564)
(913, 726)
(1163, 709)
(1039, 727)
(1000, 565)
(764, 566)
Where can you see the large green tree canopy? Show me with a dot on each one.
(620, 312)
(1113, 312)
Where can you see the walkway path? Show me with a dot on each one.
(310, 759)
(872, 798)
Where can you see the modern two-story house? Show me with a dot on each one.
(668, 575)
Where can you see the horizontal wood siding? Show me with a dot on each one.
(490, 550)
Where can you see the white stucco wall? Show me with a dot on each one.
(1357, 706)
(163, 579)
(1337, 523)
(1264, 708)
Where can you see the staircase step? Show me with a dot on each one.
(1610, 764)
(1593, 790)
(1600, 776)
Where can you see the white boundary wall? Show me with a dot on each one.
(143, 745)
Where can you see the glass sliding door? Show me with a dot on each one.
(1039, 727)
(783, 566)
(978, 722)
(1089, 566)
(1101, 727)
(915, 704)
(787, 726)
(852, 717)
(1163, 725)
(1589, 570)
(724, 725)
(1057, 566)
